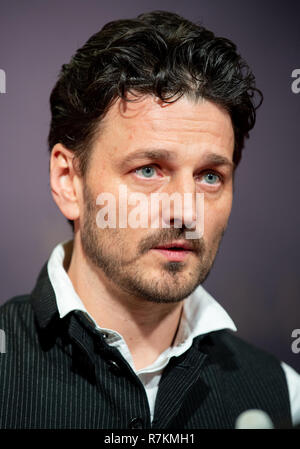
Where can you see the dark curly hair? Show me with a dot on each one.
(158, 53)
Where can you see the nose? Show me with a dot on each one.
(182, 210)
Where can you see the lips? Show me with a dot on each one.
(174, 251)
(176, 246)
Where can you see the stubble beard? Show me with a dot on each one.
(106, 249)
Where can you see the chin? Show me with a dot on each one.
(171, 290)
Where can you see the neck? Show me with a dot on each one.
(148, 328)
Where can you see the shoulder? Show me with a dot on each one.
(267, 368)
(293, 381)
(14, 305)
(234, 353)
(16, 315)
(234, 345)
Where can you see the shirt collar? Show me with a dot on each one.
(201, 313)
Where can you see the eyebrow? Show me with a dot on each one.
(149, 153)
(167, 155)
(217, 159)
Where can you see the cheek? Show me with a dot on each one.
(216, 215)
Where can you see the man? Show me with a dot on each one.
(119, 332)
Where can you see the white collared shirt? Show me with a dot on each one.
(201, 314)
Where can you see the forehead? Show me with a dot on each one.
(181, 125)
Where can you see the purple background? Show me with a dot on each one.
(256, 274)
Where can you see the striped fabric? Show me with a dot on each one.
(61, 374)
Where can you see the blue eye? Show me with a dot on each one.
(146, 172)
(211, 178)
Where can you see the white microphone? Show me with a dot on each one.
(254, 419)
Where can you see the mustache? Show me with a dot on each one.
(164, 236)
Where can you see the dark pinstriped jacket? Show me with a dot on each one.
(60, 373)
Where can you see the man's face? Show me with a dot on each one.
(150, 147)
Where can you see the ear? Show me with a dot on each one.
(65, 182)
